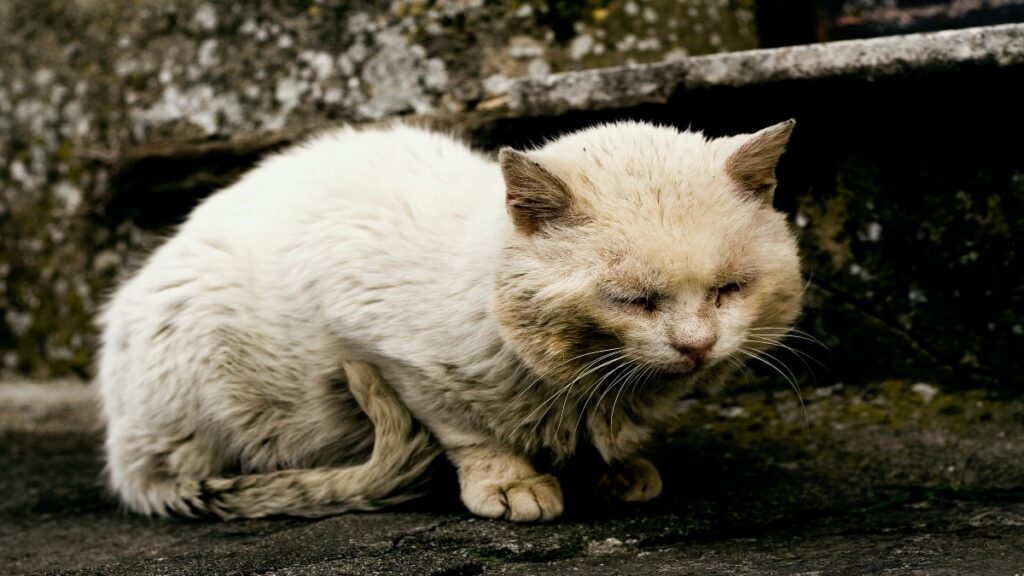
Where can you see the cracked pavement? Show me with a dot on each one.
(897, 477)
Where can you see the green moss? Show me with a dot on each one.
(916, 254)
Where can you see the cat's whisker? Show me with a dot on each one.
(645, 377)
(743, 366)
(617, 385)
(611, 414)
(597, 383)
(807, 285)
(766, 354)
(541, 377)
(800, 354)
(549, 403)
(787, 334)
(608, 353)
(543, 405)
(737, 364)
(797, 353)
(655, 372)
(790, 332)
(592, 389)
(562, 414)
(792, 336)
(587, 369)
(613, 386)
(791, 380)
(645, 369)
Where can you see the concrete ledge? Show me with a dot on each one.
(618, 87)
(48, 407)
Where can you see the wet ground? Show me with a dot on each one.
(894, 478)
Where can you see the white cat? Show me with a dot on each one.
(366, 283)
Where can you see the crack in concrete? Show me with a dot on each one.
(397, 541)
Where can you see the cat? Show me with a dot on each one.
(314, 335)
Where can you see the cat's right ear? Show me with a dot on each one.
(533, 196)
(753, 160)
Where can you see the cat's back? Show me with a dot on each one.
(362, 173)
(345, 194)
(344, 211)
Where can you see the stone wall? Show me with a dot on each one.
(87, 87)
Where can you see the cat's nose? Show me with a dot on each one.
(696, 352)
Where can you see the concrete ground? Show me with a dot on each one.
(897, 478)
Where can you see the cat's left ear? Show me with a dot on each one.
(533, 195)
(752, 163)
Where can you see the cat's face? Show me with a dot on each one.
(640, 245)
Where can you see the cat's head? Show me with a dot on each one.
(636, 244)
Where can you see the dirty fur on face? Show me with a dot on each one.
(315, 335)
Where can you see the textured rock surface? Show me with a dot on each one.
(887, 478)
(83, 81)
(998, 46)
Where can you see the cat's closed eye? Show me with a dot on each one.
(642, 302)
(725, 291)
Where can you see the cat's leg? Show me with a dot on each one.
(497, 483)
(634, 479)
(402, 452)
(623, 476)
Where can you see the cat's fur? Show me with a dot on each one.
(563, 295)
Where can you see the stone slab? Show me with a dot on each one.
(622, 86)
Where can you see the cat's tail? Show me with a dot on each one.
(402, 453)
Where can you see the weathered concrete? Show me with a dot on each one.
(48, 407)
(889, 478)
(915, 54)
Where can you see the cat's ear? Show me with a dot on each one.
(533, 196)
(752, 163)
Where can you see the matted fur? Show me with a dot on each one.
(247, 369)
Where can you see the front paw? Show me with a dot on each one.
(632, 480)
(522, 500)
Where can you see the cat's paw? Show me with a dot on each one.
(524, 500)
(632, 480)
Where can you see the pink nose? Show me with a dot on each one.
(695, 351)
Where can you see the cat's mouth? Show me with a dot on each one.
(684, 366)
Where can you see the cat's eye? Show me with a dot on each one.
(647, 303)
(726, 290)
